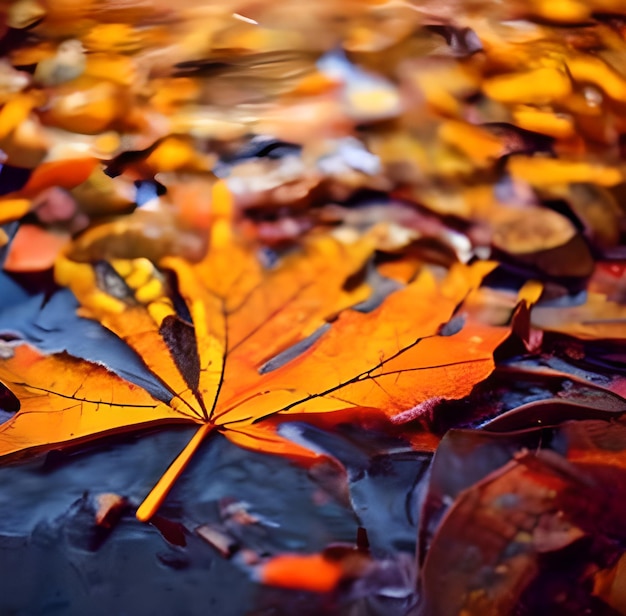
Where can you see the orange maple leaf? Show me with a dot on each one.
(222, 356)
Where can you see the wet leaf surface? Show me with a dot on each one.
(382, 240)
(70, 562)
(533, 500)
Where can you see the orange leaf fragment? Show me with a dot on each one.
(314, 84)
(590, 69)
(13, 209)
(73, 411)
(86, 105)
(562, 11)
(14, 112)
(473, 141)
(310, 572)
(67, 174)
(34, 249)
(541, 85)
(120, 37)
(172, 154)
(543, 172)
(549, 123)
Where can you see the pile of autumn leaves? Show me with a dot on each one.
(430, 177)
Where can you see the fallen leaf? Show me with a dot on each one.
(110, 507)
(609, 585)
(595, 318)
(34, 249)
(539, 86)
(548, 123)
(218, 538)
(311, 572)
(67, 174)
(524, 231)
(13, 209)
(529, 504)
(15, 112)
(241, 352)
(544, 172)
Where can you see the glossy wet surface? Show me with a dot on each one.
(56, 561)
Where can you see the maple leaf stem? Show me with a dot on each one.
(157, 495)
